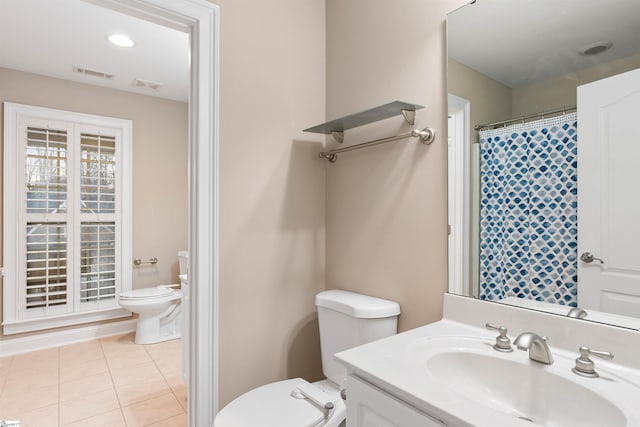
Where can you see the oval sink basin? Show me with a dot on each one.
(524, 390)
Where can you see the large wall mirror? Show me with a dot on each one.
(544, 100)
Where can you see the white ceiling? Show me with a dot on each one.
(518, 42)
(50, 37)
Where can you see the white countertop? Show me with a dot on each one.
(391, 364)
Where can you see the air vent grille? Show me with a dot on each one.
(94, 73)
(147, 83)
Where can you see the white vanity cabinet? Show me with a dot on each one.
(369, 406)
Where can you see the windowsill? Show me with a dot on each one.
(29, 325)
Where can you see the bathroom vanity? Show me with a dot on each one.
(450, 374)
(370, 405)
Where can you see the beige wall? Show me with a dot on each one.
(490, 100)
(272, 195)
(561, 92)
(387, 205)
(159, 161)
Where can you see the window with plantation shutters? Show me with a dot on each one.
(67, 217)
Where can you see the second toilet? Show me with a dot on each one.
(346, 320)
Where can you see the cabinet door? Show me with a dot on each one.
(368, 406)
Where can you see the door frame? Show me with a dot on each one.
(201, 20)
(459, 190)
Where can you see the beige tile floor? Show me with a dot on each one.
(108, 382)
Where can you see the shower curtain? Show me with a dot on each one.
(528, 211)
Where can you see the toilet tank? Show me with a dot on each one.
(183, 261)
(348, 319)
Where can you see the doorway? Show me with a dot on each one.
(200, 19)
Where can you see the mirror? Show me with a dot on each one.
(513, 73)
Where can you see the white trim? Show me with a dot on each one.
(201, 19)
(59, 338)
(38, 324)
(453, 203)
(474, 218)
(460, 108)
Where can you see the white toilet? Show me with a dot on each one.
(346, 320)
(159, 310)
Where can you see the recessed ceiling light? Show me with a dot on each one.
(121, 40)
(595, 48)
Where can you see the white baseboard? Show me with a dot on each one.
(46, 340)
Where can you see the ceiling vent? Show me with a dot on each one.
(94, 73)
(147, 83)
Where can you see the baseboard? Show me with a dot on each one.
(9, 347)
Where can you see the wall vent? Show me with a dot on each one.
(94, 73)
(146, 83)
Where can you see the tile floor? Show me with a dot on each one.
(108, 382)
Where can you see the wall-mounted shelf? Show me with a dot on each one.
(338, 126)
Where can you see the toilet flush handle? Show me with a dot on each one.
(315, 395)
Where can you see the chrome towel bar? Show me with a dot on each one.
(426, 135)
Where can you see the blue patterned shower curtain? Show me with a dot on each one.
(528, 211)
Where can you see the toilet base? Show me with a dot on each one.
(155, 329)
(157, 339)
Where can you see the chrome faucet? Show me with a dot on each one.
(537, 346)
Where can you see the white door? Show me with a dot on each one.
(608, 198)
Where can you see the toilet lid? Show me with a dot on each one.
(271, 405)
(147, 293)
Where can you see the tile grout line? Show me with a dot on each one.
(59, 376)
(90, 416)
(115, 390)
(158, 368)
(173, 392)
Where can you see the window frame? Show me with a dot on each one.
(15, 318)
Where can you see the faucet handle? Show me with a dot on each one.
(503, 343)
(584, 364)
(577, 312)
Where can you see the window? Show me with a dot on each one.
(67, 217)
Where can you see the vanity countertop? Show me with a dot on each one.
(399, 366)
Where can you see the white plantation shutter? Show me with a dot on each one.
(97, 173)
(44, 218)
(67, 211)
(98, 241)
(46, 259)
(97, 261)
(46, 170)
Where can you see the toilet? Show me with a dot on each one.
(159, 309)
(346, 320)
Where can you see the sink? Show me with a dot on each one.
(527, 392)
(450, 371)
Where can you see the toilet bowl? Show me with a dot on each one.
(159, 310)
(346, 320)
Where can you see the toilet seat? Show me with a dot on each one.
(274, 405)
(147, 293)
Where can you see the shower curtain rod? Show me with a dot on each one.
(562, 110)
